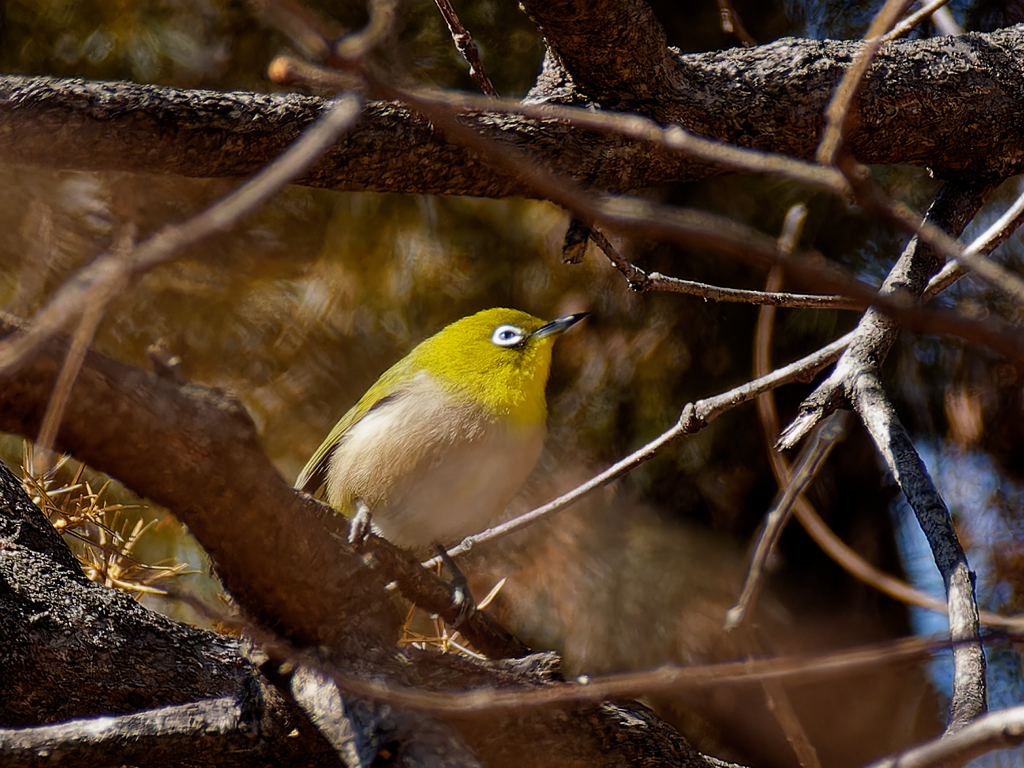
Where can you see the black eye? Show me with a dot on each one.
(507, 336)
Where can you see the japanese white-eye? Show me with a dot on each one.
(444, 439)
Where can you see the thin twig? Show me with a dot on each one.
(837, 113)
(732, 23)
(467, 47)
(954, 206)
(813, 455)
(349, 50)
(870, 196)
(659, 282)
(851, 562)
(81, 339)
(631, 215)
(288, 70)
(779, 704)
(983, 245)
(641, 282)
(811, 459)
(665, 678)
(945, 23)
(741, 159)
(694, 417)
(672, 137)
(847, 559)
(775, 691)
(300, 26)
(906, 26)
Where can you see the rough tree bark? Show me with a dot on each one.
(954, 105)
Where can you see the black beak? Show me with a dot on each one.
(558, 326)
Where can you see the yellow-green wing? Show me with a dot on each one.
(313, 476)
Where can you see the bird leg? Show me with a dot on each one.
(359, 527)
(461, 596)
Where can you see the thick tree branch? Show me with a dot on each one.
(221, 730)
(103, 653)
(743, 96)
(196, 453)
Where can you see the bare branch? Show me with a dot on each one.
(953, 208)
(222, 730)
(659, 282)
(349, 49)
(694, 417)
(897, 589)
(855, 378)
(641, 282)
(631, 215)
(464, 42)
(983, 245)
(813, 456)
(297, 24)
(996, 730)
(482, 702)
(779, 704)
(908, 24)
(177, 445)
(733, 24)
(896, 447)
(740, 96)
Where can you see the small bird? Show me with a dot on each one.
(444, 439)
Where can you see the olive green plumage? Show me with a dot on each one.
(440, 444)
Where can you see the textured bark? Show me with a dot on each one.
(70, 648)
(855, 380)
(196, 452)
(953, 104)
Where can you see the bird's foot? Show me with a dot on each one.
(462, 599)
(360, 526)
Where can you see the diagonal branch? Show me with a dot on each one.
(695, 229)
(197, 452)
(897, 449)
(996, 730)
(952, 209)
(694, 416)
(855, 380)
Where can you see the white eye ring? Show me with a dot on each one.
(507, 336)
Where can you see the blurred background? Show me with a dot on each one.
(299, 309)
